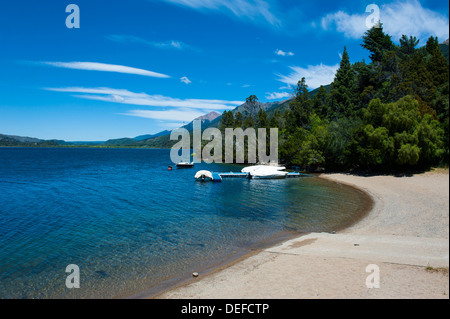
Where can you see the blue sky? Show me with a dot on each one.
(142, 66)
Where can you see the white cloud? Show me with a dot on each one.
(315, 75)
(185, 80)
(277, 95)
(400, 17)
(143, 99)
(353, 26)
(282, 53)
(249, 9)
(171, 44)
(95, 66)
(169, 115)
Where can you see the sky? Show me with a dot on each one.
(128, 68)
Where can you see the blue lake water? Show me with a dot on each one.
(132, 226)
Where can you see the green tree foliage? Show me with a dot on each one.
(262, 120)
(301, 107)
(408, 45)
(437, 64)
(395, 135)
(321, 101)
(391, 113)
(377, 42)
(249, 122)
(227, 120)
(238, 119)
(343, 88)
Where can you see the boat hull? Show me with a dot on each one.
(182, 165)
(274, 176)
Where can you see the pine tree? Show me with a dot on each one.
(249, 122)
(343, 88)
(301, 107)
(377, 42)
(227, 120)
(320, 102)
(408, 46)
(238, 119)
(437, 64)
(262, 120)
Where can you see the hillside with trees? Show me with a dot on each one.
(388, 114)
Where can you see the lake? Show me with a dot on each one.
(133, 227)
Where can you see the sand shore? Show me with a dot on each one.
(406, 235)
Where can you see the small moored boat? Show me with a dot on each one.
(268, 174)
(265, 172)
(204, 176)
(185, 165)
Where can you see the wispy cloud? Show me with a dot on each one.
(185, 80)
(399, 17)
(170, 44)
(247, 9)
(95, 66)
(171, 115)
(277, 95)
(315, 75)
(143, 99)
(282, 53)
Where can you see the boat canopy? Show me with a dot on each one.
(203, 174)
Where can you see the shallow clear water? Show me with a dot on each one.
(130, 224)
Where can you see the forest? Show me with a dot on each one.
(389, 114)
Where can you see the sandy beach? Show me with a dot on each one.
(405, 235)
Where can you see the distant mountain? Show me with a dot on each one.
(161, 139)
(208, 117)
(21, 139)
(14, 140)
(147, 136)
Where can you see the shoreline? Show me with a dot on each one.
(245, 253)
(385, 232)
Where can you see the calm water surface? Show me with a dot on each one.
(132, 225)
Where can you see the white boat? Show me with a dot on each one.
(268, 174)
(250, 169)
(185, 165)
(265, 172)
(204, 176)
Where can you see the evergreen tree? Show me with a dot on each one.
(262, 120)
(227, 120)
(437, 64)
(238, 119)
(249, 122)
(408, 46)
(274, 122)
(320, 102)
(414, 79)
(377, 42)
(343, 88)
(301, 107)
